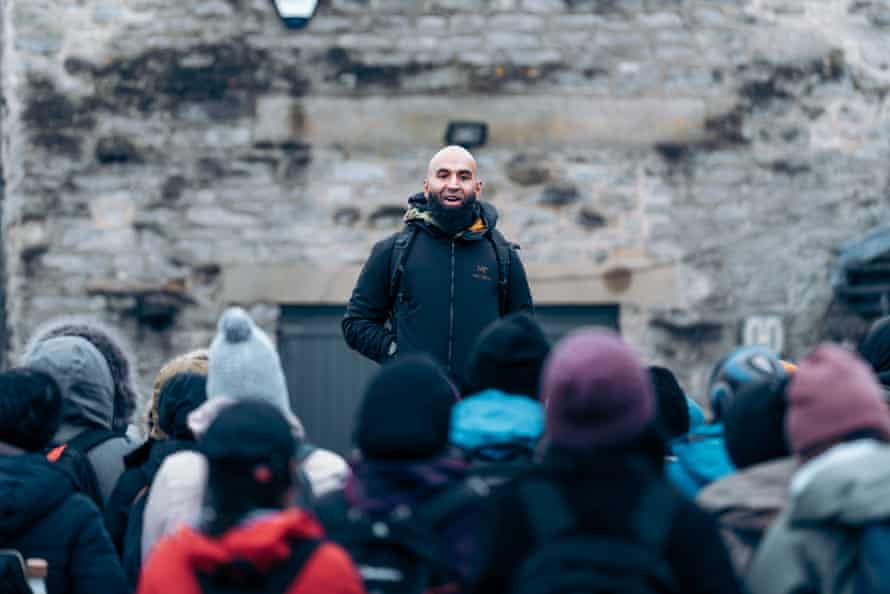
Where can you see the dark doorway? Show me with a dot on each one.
(326, 379)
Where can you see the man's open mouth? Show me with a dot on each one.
(452, 200)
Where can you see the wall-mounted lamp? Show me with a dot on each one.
(295, 14)
(467, 134)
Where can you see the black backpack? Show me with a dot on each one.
(566, 560)
(402, 246)
(71, 457)
(400, 552)
(241, 577)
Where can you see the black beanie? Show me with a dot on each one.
(406, 411)
(251, 451)
(754, 423)
(508, 356)
(672, 409)
(180, 395)
(246, 434)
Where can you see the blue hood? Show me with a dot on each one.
(701, 458)
(696, 414)
(494, 418)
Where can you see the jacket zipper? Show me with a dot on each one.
(451, 315)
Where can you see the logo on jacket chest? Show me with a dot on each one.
(481, 272)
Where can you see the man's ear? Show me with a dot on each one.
(426, 188)
(479, 185)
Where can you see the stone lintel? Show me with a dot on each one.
(305, 284)
(541, 121)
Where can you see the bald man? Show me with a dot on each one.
(436, 284)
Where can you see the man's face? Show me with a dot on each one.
(451, 177)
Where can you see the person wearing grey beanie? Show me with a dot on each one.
(243, 363)
(243, 366)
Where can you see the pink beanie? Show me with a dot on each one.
(832, 394)
(596, 391)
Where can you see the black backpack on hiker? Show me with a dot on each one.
(72, 458)
(400, 552)
(566, 560)
(241, 577)
(405, 240)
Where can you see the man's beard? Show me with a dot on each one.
(453, 219)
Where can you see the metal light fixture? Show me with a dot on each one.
(295, 14)
(467, 134)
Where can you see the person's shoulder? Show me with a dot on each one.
(73, 515)
(326, 471)
(329, 569)
(183, 468)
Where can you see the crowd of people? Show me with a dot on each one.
(541, 468)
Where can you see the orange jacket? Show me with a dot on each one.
(265, 542)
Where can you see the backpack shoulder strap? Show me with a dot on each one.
(654, 514)
(548, 512)
(91, 438)
(502, 252)
(283, 576)
(400, 248)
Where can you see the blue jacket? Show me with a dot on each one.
(42, 517)
(700, 458)
(495, 421)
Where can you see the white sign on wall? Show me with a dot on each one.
(295, 13)
(765, 330)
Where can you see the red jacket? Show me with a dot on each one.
(171, 567)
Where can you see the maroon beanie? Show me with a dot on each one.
(833, 394)
(596, 391)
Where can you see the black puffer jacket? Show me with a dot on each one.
(449, 293)
(42, 517)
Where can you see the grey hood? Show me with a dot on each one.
(84, 379)
(848, 485)
(750, 498)
(116, 350)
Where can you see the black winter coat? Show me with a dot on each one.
(42, 517)
(142, 464)
(604, 492)
(449, 295)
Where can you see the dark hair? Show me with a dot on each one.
(672, 409)
(251, 455)
(30, 408)
(180, 395)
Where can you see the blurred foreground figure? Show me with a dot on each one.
(250, 539)
(597, 515)
(833, 536)
(41, 513)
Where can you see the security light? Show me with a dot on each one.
(467, 134)
(295, 13)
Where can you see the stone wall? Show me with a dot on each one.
(696, 161)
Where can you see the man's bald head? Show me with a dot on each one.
(452, 154)
(452, 177)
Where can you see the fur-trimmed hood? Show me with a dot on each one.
(114, 348)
